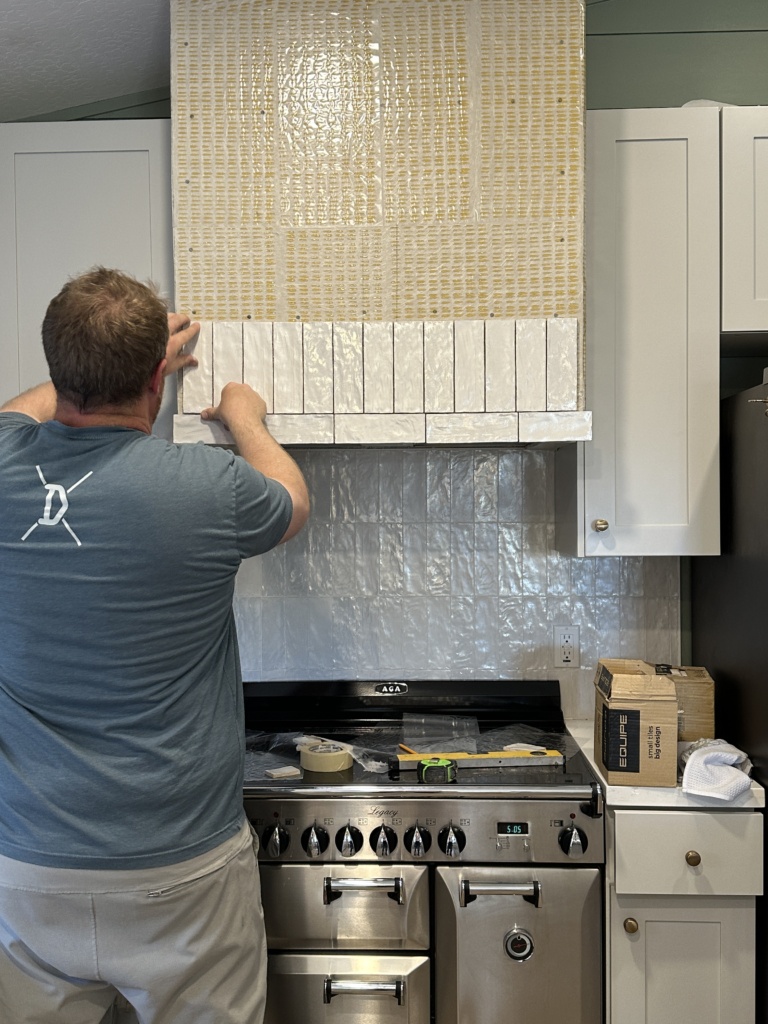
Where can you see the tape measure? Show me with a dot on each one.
(436, 770)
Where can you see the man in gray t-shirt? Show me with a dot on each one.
(121, 733)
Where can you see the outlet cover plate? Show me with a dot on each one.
(566, 647)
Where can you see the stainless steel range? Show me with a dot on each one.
(466, 892)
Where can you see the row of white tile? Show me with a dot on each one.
(400, 382)
(535, 428)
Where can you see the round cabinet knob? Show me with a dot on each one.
(315, 840)
(349, 841)
(601, 525)
(573, 842)
(275, 840)
(417, 840)
(451, 840)
(383, 840)
(631, 925)
(693, 859)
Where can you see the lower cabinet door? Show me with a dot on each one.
(682, 960)
(518, 944)
(313, 987)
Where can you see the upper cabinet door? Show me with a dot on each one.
(745, 218)
(74, 194)
(651, 480)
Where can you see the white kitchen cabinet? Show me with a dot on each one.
(745, 218)
(648, 482)
(74, 194)
(681, 889)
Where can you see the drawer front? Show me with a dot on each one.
(319, 989)
(717, 853)
(345, 906)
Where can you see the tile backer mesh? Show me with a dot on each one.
(400, 159)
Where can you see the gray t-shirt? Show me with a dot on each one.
(121, 733)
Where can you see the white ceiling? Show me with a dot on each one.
(56, 54)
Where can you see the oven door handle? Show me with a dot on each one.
(334, 887)
(362, 987)
(530, 891)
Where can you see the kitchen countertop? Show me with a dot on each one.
(582, 731)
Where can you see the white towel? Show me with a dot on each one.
(716, 768)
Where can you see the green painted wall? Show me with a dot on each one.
(154, 103)
(663, 53)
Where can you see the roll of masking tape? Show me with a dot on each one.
(324, 757)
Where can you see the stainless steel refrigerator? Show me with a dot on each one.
(729, 606)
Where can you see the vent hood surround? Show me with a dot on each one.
(378, 217)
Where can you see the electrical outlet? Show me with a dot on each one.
(566, 646)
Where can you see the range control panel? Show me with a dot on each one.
(474, 831)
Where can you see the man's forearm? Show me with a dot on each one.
(257, 446)
(39, 402)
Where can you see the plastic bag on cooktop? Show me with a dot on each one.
(287, 744)
(440, 734)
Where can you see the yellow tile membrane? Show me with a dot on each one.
(392, 160)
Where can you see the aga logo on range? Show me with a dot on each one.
(59, 493)
(391, 688)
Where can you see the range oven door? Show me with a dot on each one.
(518, 943)
(313, 988)
(379, 907)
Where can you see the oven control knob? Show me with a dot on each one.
(417, 840)
(573, 842)
(451, 840)
(349, 841)
(275, 840)
(315, 840)
(383, 840)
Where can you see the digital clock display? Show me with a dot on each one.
(512, 828)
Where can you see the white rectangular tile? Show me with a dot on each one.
(288, 352)
(438, 365)
(378, 367)
(409, 365)
(500, 377)
(472, 428)
(531, 352)
(562, 363)
(542, 427)
(469, 365)
(380, 428)
(227, 355)
(197, 381)
(302, 429)
(348, 367)
(188, 429)
(318, 368)
(258, 359)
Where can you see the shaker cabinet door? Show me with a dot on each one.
(648, 483)
(74, 194)
(682, 960)
(745, 218)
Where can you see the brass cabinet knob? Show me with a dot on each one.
(693, 858)
(631, 925)
(601, 525)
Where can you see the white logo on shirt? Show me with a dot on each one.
(59, 494)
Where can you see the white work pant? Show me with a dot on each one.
(184, 944)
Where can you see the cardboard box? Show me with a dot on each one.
(695, 701)
(635, 724)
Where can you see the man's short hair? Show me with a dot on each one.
(103, 336)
